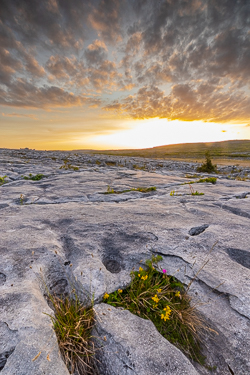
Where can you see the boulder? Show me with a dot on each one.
(128, 344)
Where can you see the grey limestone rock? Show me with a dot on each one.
(65, 230)
(131, 345)
(198, 230)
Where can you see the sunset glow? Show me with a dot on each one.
(159, 132)
(123, 74)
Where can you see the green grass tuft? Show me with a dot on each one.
(191, 175)
(2, 180)
(197, 193)
(140, 189)
(213, 181)
(37, 177)
(208, 179)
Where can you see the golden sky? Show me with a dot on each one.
(123, 74)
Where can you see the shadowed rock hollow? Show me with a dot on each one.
(64, 228)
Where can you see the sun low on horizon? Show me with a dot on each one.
(109, 74)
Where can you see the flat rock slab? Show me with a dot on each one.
(63, 232)
(131, 345)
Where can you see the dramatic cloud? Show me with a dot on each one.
(185, 59)
(106, 20)
(204, 102)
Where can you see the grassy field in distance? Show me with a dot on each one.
(226, 152)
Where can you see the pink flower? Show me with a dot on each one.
(164, 271)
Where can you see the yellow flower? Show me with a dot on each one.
(144, 277)
(165, 317)
(140, 269)
(167, 309)
(159, 290)
(167, 313)
(155, 298)
(177, 294)
(139, 275)
(155, 306)
(119, 290)
(106, 296)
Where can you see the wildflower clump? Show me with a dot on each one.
(162, 299)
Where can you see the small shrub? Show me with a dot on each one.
(162, 299)
(207, 166)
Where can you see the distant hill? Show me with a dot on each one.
(226, 149)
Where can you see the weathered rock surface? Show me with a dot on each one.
(65, 230)
(131, 345)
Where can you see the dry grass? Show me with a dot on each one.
(73, 323)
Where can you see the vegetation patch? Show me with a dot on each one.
(37, 177)
(21, 199)
(191, 175)
(174, 193)
(207, 166)
(68, 166)
(73, 322)
(212, 180)
(111, 163)
(140, 189)
(194, 192)
(163, 299)
(197, 193)
(143, 168)
(2, 180)
(238, 178)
